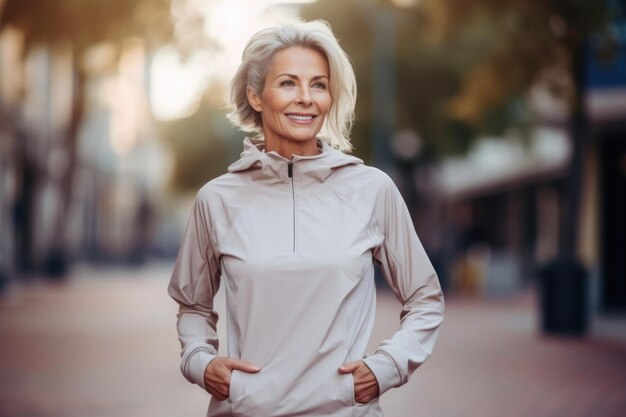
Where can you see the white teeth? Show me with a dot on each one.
(300, 118)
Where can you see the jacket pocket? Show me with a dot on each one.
(233, 388)
(273, 394)
(348, 389)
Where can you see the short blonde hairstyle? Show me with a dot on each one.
(256, 59)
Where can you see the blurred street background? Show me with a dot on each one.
(503, 123)
(104, 345)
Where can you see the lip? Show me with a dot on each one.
(301, 118)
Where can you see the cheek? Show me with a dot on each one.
(277, 101)
(283, 105)
(326, 104)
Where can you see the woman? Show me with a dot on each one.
(292, 231)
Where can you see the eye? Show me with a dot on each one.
(320, 85)
(287, 83)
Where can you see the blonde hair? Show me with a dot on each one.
(255, 63)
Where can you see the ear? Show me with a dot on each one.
(254, 100)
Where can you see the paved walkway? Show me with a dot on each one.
(104, 344)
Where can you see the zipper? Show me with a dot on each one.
(293, 201)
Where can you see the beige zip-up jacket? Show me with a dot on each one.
(294, 243)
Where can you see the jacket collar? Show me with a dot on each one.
(317, 167)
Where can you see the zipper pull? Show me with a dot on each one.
(290, 169)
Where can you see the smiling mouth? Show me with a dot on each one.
(300, 117)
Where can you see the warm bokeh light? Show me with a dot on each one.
(406, 3)
(177, 85)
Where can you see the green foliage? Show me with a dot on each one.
(87, 22)
(203, 145)
(463, 67)
(353, 28)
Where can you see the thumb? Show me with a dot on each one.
(349, 367)
(242, 366)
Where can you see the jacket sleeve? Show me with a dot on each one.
(194, 282)
(412, 278)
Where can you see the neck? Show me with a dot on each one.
(287, 149)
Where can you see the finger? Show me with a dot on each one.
(220, 397)
(217, 372)
(363, 371)
(349, 367)
(365, 384)
(242, 366)
(366, 392)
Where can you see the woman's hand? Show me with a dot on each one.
(365, 384)
(217, 375)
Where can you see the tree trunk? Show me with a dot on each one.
(578, 134)
(564, 300)
(57, 260)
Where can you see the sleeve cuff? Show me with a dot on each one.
(385, 370)
(196, 366)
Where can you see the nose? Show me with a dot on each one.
(304, 97)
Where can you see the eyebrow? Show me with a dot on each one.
(317, 77)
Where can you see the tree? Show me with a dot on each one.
(532, 42)
(79, 25)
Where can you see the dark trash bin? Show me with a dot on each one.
(564, 298)
(56, 265)
(4, 282)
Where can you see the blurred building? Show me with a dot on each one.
(10, 43)
(80, 164)
(503, 205)
(605, 173)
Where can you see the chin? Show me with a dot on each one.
(302, 137)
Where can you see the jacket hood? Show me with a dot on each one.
(318, 166)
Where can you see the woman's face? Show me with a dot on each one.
(295, 97)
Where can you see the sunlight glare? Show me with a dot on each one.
(232, 23)
(177, 86)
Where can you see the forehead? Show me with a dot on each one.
(299, 60)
